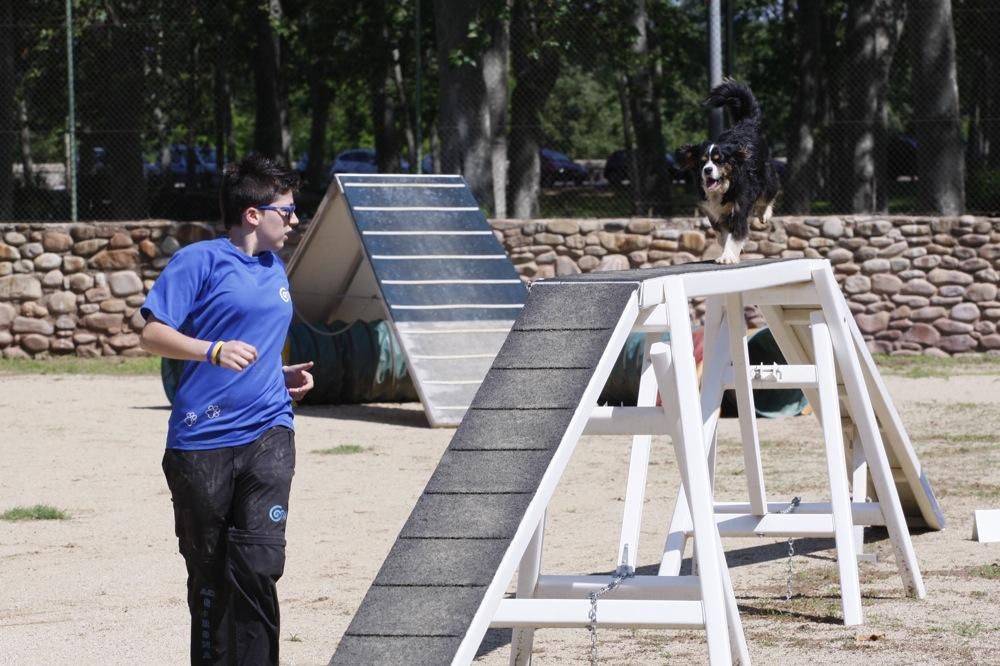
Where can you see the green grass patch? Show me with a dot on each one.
(37, 512)
(969, 629)
(343, 450)
(988, 571)
(932, 366)
(72, 365)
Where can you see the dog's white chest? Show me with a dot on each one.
(714, 208)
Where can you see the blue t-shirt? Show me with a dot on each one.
(211, 290)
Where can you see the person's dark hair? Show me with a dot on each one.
(253, 181)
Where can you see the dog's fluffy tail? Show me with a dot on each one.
(738, 97)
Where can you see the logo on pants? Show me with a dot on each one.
(278, 513)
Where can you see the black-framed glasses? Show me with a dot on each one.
(285, 211)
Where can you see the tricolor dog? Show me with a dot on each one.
(736, 177)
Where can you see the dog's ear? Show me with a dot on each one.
(687, 156)
(742, 153)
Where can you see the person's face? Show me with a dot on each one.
(273, 226)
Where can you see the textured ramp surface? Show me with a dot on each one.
(449, 288)
(432, 583)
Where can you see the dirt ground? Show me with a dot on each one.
(106, 586)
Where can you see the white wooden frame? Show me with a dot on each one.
(807, 288)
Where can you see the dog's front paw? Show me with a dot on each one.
(727, 258)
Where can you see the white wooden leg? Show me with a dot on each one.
(635, 490)
(858, 471)
(864, 417)
(684, 381)
(527, 578)
(744, 401)
(715, 359)
(680, 527)
(836, 467)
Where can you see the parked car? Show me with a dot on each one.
(558, 167)
(616, 169)
(205, 168)
(360, 160)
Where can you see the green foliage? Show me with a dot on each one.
(195, 64)
(582, 117)
(981, 189)
(36, 512)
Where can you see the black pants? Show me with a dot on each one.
(230, 507)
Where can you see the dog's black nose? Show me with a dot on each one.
(707, 169)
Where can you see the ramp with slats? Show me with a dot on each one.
(419, 251)
(433, 581)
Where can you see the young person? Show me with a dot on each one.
(223, 306)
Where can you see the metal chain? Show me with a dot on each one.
(623, 572)
(791, 549)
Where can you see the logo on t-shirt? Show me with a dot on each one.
(278, 513)
(284, 294)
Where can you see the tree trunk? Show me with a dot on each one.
(24, 143)
(222, 104)
(534, 75)
(495, 72)
(125, 92)
(463, 114)
(404, 106)
(653, 177)
(271, 133)
(379, 81)
(800, 172)
(320, 101)
(873, 28)
(8, 134)
(934, 91)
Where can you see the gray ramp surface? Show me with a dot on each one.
(431, 584)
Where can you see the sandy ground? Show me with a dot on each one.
(107, 585)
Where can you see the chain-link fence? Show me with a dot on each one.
(550, 108)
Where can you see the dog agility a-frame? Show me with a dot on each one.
(481, 516)
(417, 251)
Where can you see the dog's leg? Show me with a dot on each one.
(768, 212)
(731, 248)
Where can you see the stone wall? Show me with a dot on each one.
(916, 285)
(76, 289)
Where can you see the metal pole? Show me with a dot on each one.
(730, 65)
(71, 121)
(714, 63)
(419, 85)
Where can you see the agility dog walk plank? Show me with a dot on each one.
(418, 251)
(442, 583)
(461, 532)
(481, 516)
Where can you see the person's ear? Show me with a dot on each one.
(251, 216)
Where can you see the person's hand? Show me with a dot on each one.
(237, 355)
(298, 379)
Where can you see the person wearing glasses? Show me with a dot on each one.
(223, 306)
